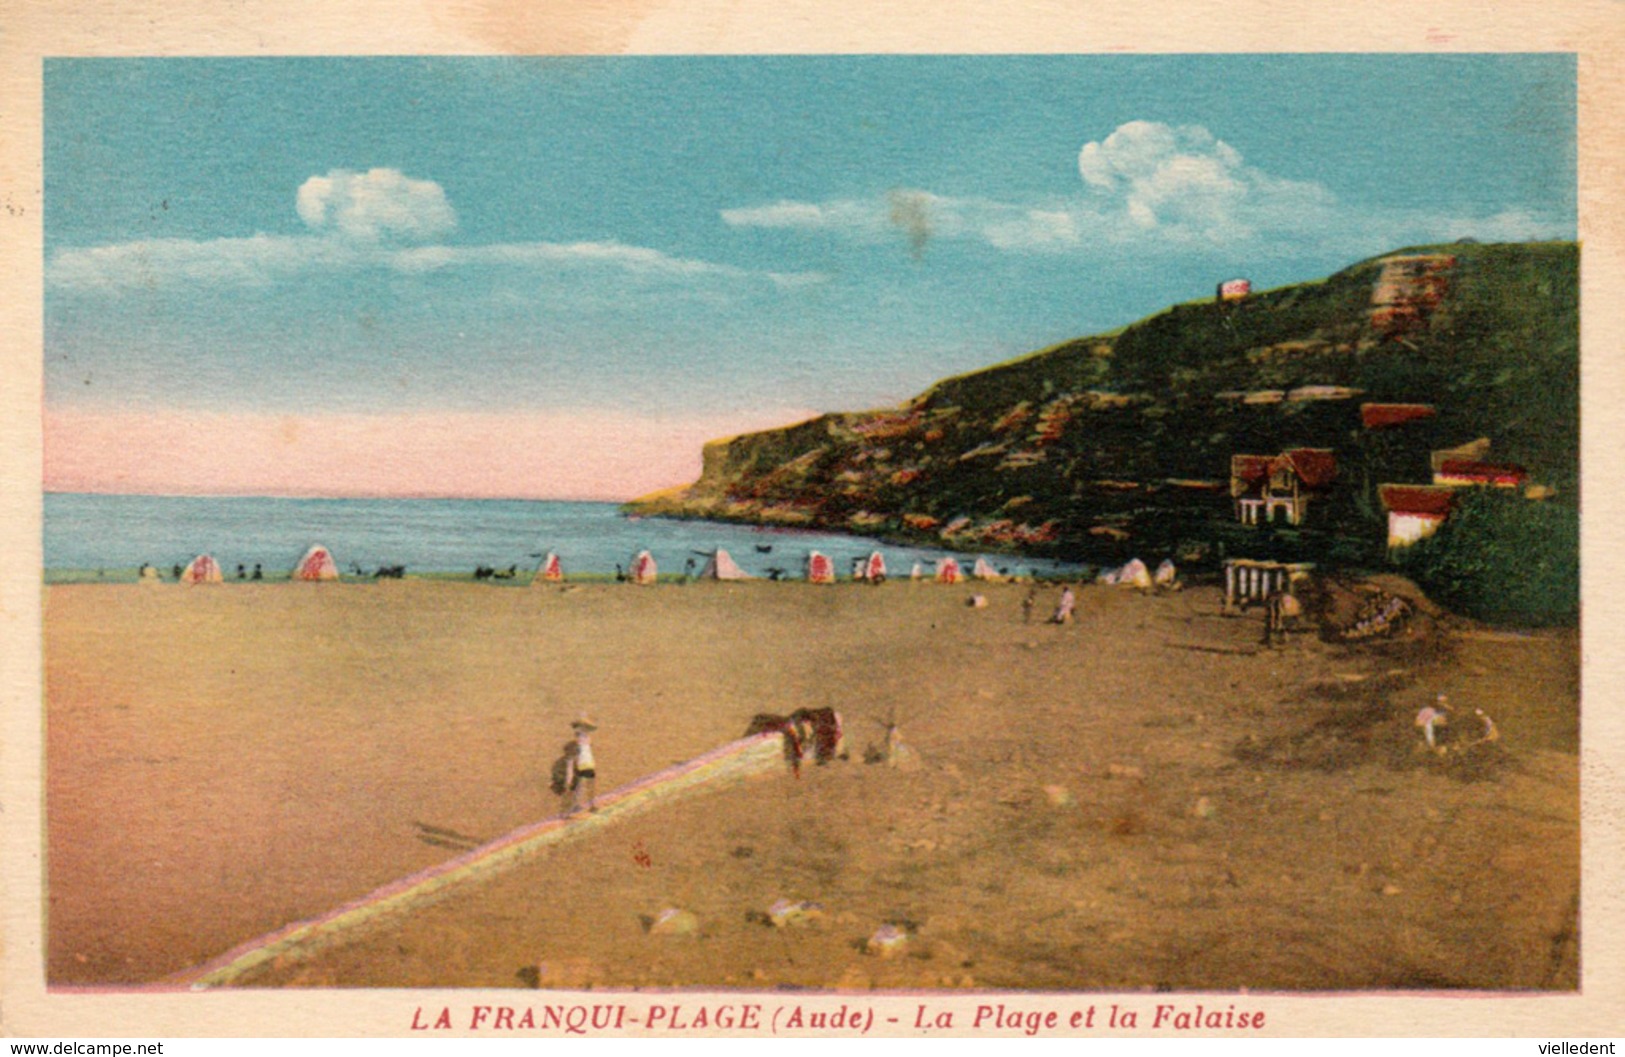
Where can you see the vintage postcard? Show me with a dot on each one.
(549, 531)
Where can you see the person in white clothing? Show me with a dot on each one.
(1063, 611)
(582, 778)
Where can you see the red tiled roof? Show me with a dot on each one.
(1415, 499)
(1486, 470)
(1315, 467)
(1378, 416)
(1250, 467)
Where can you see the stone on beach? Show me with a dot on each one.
(674, 922)
(888, 941)
(786, 913)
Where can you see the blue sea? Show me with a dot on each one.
(118, 533)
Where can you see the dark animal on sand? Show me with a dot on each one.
(822, 727)
(806, 731)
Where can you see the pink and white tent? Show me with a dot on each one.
(551, 571)
(875, 568)
(948, 571)
(721, 566)
(820, 570)
(317, 564)
(644, 570)
(983, 570)
(1133, 574)
(202, 570)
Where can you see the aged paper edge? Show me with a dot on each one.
(33, 31)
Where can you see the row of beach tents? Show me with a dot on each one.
(819, 569)
(317, 564)
(1134, 573)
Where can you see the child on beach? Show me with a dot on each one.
(581, 769)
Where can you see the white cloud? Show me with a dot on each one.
(1037, 229)
(1146, 187)
(1513, 225)
(360, 221)
(803, 215)
(375, 204)
(264, 259)
(1185, 186)
(151, 263)
(917, 217)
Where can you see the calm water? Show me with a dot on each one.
(91, 532)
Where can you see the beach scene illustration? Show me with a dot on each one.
(846, 524)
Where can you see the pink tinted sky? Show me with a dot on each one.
(521, 455)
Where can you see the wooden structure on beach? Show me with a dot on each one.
(1247, 580)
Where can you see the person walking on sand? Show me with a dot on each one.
(1027, 605)
(582, 776)
(1063, 612)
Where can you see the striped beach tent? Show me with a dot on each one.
(875, 568)
(983, 570)
(550, 571)
(820, 570)
(948, 571)
(202, 570)
(644, 570)
(317, 564)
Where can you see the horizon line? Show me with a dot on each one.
(335, 498)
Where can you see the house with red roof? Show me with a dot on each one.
(1387, 416)
(1415, 512)
(1461, 473)
(1265, 485)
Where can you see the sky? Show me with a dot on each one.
(558, 277)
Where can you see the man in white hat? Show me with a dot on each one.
(583, 770)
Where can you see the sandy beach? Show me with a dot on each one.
(1147, 798)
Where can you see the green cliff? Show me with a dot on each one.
(1121, 443)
